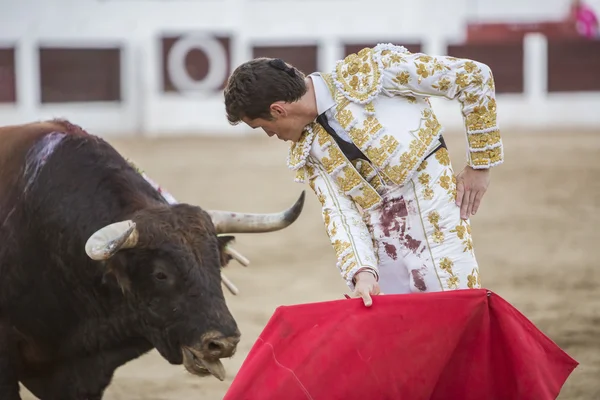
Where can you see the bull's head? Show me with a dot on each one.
(168, 261)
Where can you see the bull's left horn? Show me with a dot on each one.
(105, 242)
(232, 222)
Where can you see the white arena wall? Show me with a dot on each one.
(136, 26)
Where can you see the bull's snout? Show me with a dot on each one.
(216, 345)
(203, 358)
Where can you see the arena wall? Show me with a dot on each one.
(157, 67)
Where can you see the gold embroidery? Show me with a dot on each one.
(321, 197)
(422, 166)
(445, 181)
(346, 258)
(326, 217)
(364, 168)
(389, 58)
(299, 151)
(453, 282)
(439, 66)
(310, 170)
(495, 154)
(422, 71)
(340, 247)
(471, 98)
(329, 81)
(300, 174)
(424, 179)
(486, 157)
(477, 80)
(367, 171)
(462, 80)
(398, 171)
(470, 67)
(446, 264)
(350, 180)
(473, 281)
(442, 156)
(396, 58)
(482, 117)
(361, 136)
(483, 140)
(377, 154)
(463, 232)
(333, 230)
(428, 193)
(349, 267)
(368, 199)
(336, 158)
(448, 183)
(345, 117)
(443, 85)
(359, 74)
(377, 184)
(402, 78)
(341, 101)
(311, 183)
(322, 136)
(434, 219)
(389, 143)
(438, 236)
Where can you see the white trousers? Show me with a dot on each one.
(422, 243)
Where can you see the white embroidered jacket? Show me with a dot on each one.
(381, 101)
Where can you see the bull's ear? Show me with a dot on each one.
(224, 241)
(116, 268)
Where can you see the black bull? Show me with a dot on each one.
(97, 269)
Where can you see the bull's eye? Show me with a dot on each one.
(161, 276)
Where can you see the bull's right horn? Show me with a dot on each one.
(107, 241)
(232, 222)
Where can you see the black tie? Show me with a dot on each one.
(349, 149)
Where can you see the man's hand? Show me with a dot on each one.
(366, 285)
(471, 185)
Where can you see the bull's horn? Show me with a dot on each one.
(229, 285)
(232, 222)
(105, 242)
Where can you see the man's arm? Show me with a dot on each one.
(347, 231)
(472, 84)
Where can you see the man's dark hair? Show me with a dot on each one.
(258, 83)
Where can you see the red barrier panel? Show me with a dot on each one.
(467, 344)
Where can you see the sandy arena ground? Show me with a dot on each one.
(535, 236)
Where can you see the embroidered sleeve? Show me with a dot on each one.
(470, 82)
(166, 195)
(347, 232)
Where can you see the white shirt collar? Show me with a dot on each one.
(322, 94)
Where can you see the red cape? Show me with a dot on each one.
(463, 345)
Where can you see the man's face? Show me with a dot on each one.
(283, 124)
